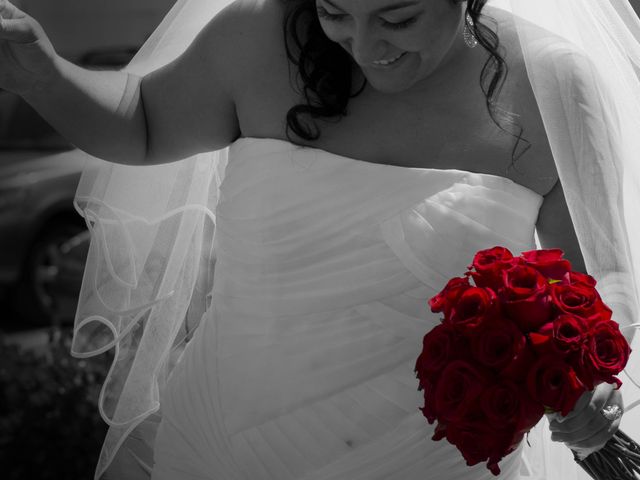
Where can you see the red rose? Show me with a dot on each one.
(497, 345)
(578, 299)
(439, 347)
(440, 432)
(542, 342)
(501, 403)
(429, 395)
(569, 332)
(573, 277)
(562, 336)
(507, 403)
(604, 355)
(444, 300)
(474, 309)
(526, 299)
(548, 262)
(552, 382)
(518, 369)
(488, 265)
(530, 412)
(458, 389)
(482, 441)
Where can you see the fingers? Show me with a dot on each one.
(590, 441)
(597, 439)
(587, 430)
(587, 408)
(582, 403)
(15, 25)
(596, 425)
(10, 11)
(17, 30)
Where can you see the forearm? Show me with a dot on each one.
(100, 112)
(618, 293)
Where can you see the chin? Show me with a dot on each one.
(397, 81)
(389, 87)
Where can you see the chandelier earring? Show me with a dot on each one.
(469, 37)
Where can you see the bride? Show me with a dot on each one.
(363, 151)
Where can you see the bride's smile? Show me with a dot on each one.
(396, 43)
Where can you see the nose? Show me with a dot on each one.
(366, 45)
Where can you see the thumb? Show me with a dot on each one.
(18, 30)
(8, 10)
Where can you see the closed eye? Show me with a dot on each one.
(333, 17)
(399, 25)
(337, 17)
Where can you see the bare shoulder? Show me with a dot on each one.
(548, 49)
(255, 60)
(257, 65)
(536, 166)
(209, 81)
(567, 78)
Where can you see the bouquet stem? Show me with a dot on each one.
(619, 459)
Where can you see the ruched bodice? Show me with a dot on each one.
(302, 368)
(300, 227)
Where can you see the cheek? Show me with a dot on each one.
(337, 32)
(436, 37)
(333, 33)
(415, 39)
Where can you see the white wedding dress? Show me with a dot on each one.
(303, 366)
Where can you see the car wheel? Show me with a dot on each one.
(50, 282)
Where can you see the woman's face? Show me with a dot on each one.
(396, 43)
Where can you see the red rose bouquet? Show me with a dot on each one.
(528, 337)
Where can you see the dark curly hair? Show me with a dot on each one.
(326, 69)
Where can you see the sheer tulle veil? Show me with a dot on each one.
(150, 262)
(151, 259)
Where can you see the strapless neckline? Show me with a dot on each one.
(323, 269)
(367, 164)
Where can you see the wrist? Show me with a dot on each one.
(47, 82)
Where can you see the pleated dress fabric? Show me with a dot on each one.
(302, 368)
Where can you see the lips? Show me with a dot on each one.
(388, 61)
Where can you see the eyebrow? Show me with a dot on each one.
(389, 8)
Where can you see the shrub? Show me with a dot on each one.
(50, 427)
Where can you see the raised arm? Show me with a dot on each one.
(181, 109)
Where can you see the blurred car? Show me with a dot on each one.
(43, 240)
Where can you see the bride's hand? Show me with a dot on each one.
(27, 58)
(585, 429)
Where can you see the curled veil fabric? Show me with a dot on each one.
(150, 263)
